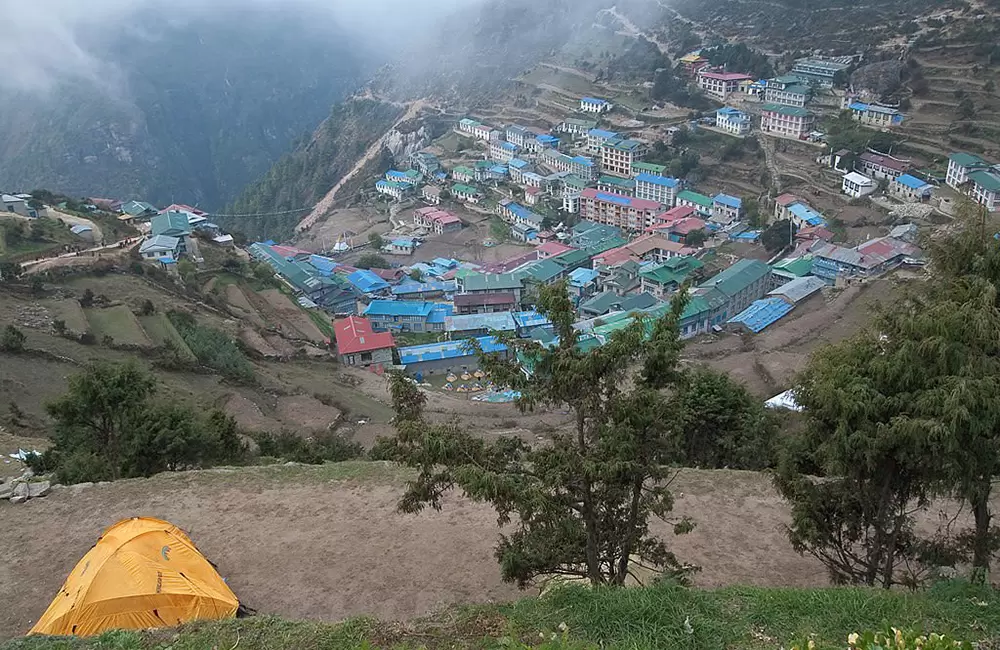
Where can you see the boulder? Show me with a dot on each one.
(20, 494)
(38, 489)
(6, 491)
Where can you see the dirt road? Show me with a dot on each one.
(327, 201)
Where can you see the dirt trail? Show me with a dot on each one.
(326, 203)
(632, 30)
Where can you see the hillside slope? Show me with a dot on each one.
(197, 111)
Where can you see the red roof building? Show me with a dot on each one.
(358, 345)
(552, 248)
(180, 207)
(484, 303)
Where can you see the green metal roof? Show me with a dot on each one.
(966, 159)
(799, 266)
(573, 258)
(491, 282)
(545, 270)
(673, 271)
(793, 111)
(738, 277)
(695, 197)
(625, 183)
(649, 167)
(798, 89)
(575, 181)
(170, 223)
(463, 170)
(458, 188)
(989, 181)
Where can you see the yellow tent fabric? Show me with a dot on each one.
(142, 573)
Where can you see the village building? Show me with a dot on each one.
(401, 246)
(425, 162)
(874, 115)
(517, 135)
(394, 189)
(719, 85)
(466, 193)
(786, 121)
(702, 204)
(581, 166)
(616, 185)
(787, 90)
(575, 127)
(516, 168)
(532, 195)
(488, 303)
(431, 194)
(160, 247)
(730, 292)
(653, 187)
(468, 126)
(640, 167)
(663, 279)
(462, 174)
(880, 166)
(447, 357)
(172, 224)
(857, 185)
(733, 120)
(911, 189)
(726, 209)
(821, 71)
(617, 156)
(407, 316)
(486, 283)
(869, 259)
(970, 173)
(627, 213)
(595, 105)
(138, 210)
(693, 63)
(501, 151)
(541, 142)
(596, 139)
(437, 221)
(410, 177)
(14, 204)
(359, 345)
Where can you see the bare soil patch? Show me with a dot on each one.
(295, 543)
(238, 302)
(306, 413)
(286, 312)
(248, 415)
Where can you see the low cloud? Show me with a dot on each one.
(50, 41)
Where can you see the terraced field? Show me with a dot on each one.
(160, 331)
(119, 323)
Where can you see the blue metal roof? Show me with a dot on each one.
(762, 313)
(581, 277)
(531, 319)
(593, 100)
(517, 163)
(366, 281)
(547, 138)
(601, 133)
(807, 214)
(858, 106)
(410, 288)
(499, 169)
(583, 160)
(399, 308)
(729, 201)
(447, 350)
(509, 146)
(653, 179)
(445, 262)
(440, 313)
(912, 182)
(614, 198)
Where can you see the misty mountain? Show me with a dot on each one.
(190, 111)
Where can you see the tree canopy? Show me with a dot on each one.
(581, 504)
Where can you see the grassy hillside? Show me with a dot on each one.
(664, 616)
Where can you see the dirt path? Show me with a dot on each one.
(326, 203)
(632, 30)
(296, 543)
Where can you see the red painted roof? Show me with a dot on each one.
(814, 232)
(354, 334)
(532, 190)
(675, 214)
(885, 161)
(786, 200)
(552, 248)
(725, 76)
(688, 225)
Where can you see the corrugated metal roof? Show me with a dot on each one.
(499, 322)
(762, 313)
(448, 350)
(799, 288)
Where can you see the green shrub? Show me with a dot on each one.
(325, 447)
(213, 348)
(11, 339)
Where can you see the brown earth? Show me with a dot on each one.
(285, 311)
(295, 542)
(306, 413)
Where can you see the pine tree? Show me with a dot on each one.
(581, 504)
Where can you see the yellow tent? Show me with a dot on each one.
(142, 573)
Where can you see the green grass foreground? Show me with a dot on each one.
(663, 616)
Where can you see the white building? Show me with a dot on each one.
(595, 105)
(732, 120)
(720, 85)
(911, 189)
(395, 189)
(971, 174)
(504, 152)
(518, 135)
(857, 185)
(786, 121)
(596, 139)
(159, 247)
(661, 189)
